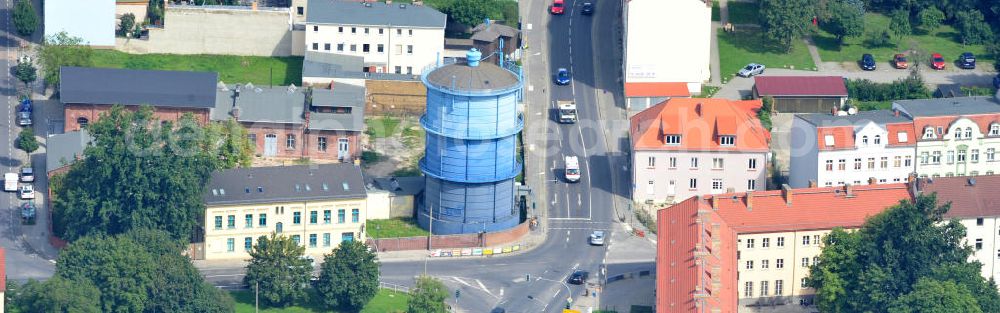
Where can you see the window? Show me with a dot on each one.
(828, 140)
(672, 162)
(864, 140)
(381, 31)
(651, 162)
(857, 163)
(326, 236)
(693, 184)
(313, 217)
(752, 164)
(247, 243)
(958, 133)
(409, 49)
(315, 28)
(748, 289)
(961, 156)
(409, 70)
(727, 140)
(765, 242)
(327, 217)
(366, 48)
(974, 156)
(884, 162)
(249, 220)
(296, 218)
(829, 165)
(979, 244)
(951, 157)
(672, 139)
(262, 220)
(717, 163)
(297, 239)
(341, 216)
(779, 264)
(979, 221)
(878, 139)
(780, 242)
(991, 154)
(398, 70)
(908, 161)
(290, 141)
(300, 11)
(764, 264)
(842, 165)
(924, 158)
(816, 240)
(994, 129)
(871, 163)
(230, 244)
(815, 260)
(312, 237)
(805, 240)
(315, 46)
(380, 48)
(321, 143)
(929, 133)
(779, 287)
(231, 221)
(340, 29)
(399, 31)
(366, 30)
(897, 161)
(936, 157)
(694, 162)
(252, 138)
(354, 48)
(902, 137)
(750, 243)
(409, 32)
(968, 133)
(749, 265)
(278, 227)
(803, 283)
(355, 215)
(751, 184)
(326, 46)
(354, 30)
(805, 262)
(340, 47)
(763, 288)
(218, 222)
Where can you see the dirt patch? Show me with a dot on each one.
(396, 151)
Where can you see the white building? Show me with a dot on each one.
(830, 150)
(667, 49)
(393, 38)
(957, 136)
(92, 21)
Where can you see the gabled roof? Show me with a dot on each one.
(815, 86)
(263, 185)
(699, 122)
(64, 149)
(842, 137)
(176, 89)
(948, 106)
(280, 104)
(490, 31)
(656, 90)
(944, 122)
(844, 127)
(970, 197)
(374, 14)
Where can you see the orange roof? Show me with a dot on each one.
(896, 129)
(690, 226)
(843, 137)
(699, 122)
(982, 120)
(656, 90)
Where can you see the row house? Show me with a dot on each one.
(955, 136)
(685, 147)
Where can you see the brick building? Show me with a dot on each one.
(89, 92)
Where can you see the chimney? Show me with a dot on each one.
(749, 200)
(972, 181)
(715, 202)
(849, 191)
(833, 111)
(812, 183)
(697, 109)
(872, 180)
(895, 112)
(786, 192)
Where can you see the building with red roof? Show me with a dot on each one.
(685, 147)
(735, 251)
(802, 94)
(957, 136)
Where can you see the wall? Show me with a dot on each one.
(389, 96)
(452, 241)
(791, 274)
(427, 44)
(807, 104)
(306, 145)
(981, 143)
(803, 155)
(93, 111)
(734, 174)
(193, 30)
(137, 9)
(988, 233)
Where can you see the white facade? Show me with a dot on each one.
(983, 235)
(390, 49)
(668, 41)
(775, 265)
(868, 157)
(664, 176)
(959, 149)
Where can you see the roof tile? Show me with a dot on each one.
(700, 121)
(800, 86)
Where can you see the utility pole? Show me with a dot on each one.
(256, 297)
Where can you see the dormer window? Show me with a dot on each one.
(968, 133)
(864, 140)
(828, 140)
(672, 139)
(902, 136)
(929, 133)
(995, 129)
(958, 133)
(727, 140)
(878, 139)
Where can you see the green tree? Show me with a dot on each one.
(25, 18)
(471, 12)
(847, 18)
(786, 20)
(154, 12)
(899, 23)
(348, 276)
(229, 140)
(428, 296)
(930, 19)
(26, 140)
(933, 296)
(58, 295)
(278, 269)
(764, 113)
(25, 72)
(972, 29)
(126, 25)
(62, 50)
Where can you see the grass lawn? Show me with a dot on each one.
(707, 91)
(744, 46)
(232, 69)
(414, 135)
(381, 127)
(385, 301)
(394, 228)
(743, 12)
(943, 40)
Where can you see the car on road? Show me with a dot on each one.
(498, 310)
(572, 169)
(27, 174)
(751, 70)
(996, 81)
(937, 61)
(26, 192)
(579, 277)
(597, 238)
(867, 62)
(562, 76)
(587, 8)
(558, 7)
(24, 118)
(967, 61)
(899, 61)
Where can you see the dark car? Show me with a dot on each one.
(867, 62)
(967, 61)
(498, 310)
(587, 9)
(996, 81)
(579, 277)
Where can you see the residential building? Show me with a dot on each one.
(834, 150)
(88, 92)
(318, 206)
(685, 147)
(281, 123)
(92, 21)
(395, 38)
(393, 197)
(489, 37)
(742, 252)
(802, 94)
(954, 136)
(667, 49)
(138, 8)
(64, 149)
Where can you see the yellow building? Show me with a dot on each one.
(317, 205)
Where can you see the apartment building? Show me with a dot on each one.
(318, 206)
(954, 136)
(750, 251)
(396, 38)
(835, 150)
(684, 147)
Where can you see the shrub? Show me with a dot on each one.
(911, 87)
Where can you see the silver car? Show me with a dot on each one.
(597, 238)
(751, 70)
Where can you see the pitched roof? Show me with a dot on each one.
(178, 89)
(842, 127)
(376, 14)
(800, 86)
(322, 64)
(835, 138)
(699, 122)
(982, 120)
(63, 149)
(656, 90)
(948, 106)
(342, 95)
(491, 31)
(880, 117)
(896, 131)
(970, 197)
(280, 104)
(285, 183)
(399, 186)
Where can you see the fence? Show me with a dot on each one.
(394, 287)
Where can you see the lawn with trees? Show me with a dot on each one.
(746, 45)
(61, 50)
(278, 71)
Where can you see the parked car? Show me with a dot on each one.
(899, 61)
(27, 174)
(967, 61)
(498, 310)
(24, 112)
(597, 238)
(27, 192)
(587, 9)
(867, 62)
(579, 277)
(562, 76)
(996, 81)
(937, 61)
(558, 7)
(751, 69)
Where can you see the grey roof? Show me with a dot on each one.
(491, 31)
(63, 149)
(880, 117)
(949, 106)
(376, 14)
(285, 183)
(321, 64)
(403, 186)
(178, 89)
(461, 76)
(280, 104)
(342, 95)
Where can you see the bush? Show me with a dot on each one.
(26, 140)
(647, 220)
(764, 114)
(930, 19)
(972, 28)
(25, 19)
(911, 87)
(900, 23)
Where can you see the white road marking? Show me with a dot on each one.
(528, 26)
(461, 281)
(569, 219)
(578, 200)
(483, 287)
(576, 228)
(531, 87)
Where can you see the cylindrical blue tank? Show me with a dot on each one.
(471, 153)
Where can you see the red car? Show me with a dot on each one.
(557, 7)
(937, 61)
(899, 61)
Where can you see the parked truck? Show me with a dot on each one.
(567, 111)
(10, 182)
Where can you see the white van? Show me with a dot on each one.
(572, 169)
(10, 182)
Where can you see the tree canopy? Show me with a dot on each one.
(471, 12)
(786, 20)
(25, 72)
(25, 18)
(428, 296)
(56, 294)
(348, 276)
(896, 260)
(847, 18)
(278, 269)
(61, 50)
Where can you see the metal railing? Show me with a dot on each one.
(394, 287)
